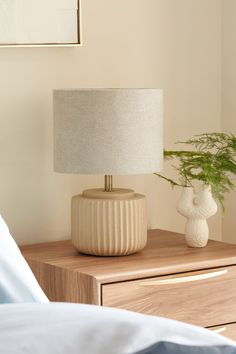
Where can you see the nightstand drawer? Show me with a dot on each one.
(205, 298)
(228, 331)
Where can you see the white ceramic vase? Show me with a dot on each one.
(197, 207)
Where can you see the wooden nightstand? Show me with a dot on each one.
(167, 279)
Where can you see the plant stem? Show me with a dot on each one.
(173, 183)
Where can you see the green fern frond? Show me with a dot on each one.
(213, 162)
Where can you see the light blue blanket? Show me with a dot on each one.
(57, 328)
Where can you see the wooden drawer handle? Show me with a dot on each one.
(219, 330)
(184, 279)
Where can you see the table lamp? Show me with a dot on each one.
(108, 132)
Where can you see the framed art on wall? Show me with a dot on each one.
(40, 23)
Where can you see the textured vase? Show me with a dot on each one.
(196, 207)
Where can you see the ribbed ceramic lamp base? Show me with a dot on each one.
(109, 223)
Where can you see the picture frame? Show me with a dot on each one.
(40, 23)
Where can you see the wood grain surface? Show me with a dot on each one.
(204, 302)
(63, 285)
(228, 330)
(166, 253)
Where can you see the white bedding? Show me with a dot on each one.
(17, 282)
(57, 328)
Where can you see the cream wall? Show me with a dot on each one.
(174, 45)
(229, 102)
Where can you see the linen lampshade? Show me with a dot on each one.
(109, 132)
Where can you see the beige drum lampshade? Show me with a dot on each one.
(108, 132)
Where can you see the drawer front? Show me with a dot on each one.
(228, 331)
(205, 298)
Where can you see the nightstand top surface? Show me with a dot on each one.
(166, 253)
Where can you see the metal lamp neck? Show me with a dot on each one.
(108, 183)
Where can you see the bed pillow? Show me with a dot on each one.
(17, 282)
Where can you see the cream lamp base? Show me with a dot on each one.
(109, 223)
